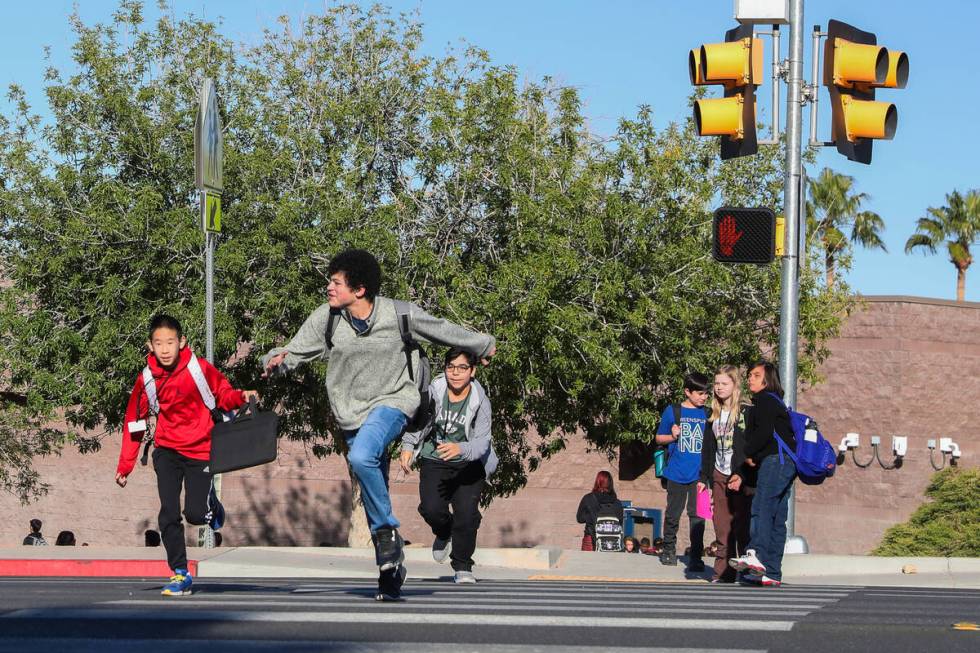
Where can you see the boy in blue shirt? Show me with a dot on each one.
(682, 471)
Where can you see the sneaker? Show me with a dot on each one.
(748, 562)
(441, 548)
(215, 516)
(696, 566)
(765, 581)
(390, 583)
(179, 585)
(388, 548)
(750, 579)
(464, 578)
(669, 559)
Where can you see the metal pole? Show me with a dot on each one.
(815, 84)
(206, 534)
(789, 292)
(774, 135)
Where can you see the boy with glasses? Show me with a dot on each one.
(370, 384)
(455, 458)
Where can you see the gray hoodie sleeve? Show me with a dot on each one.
(479, 443)
(443, 332)
(309, 343)
(412, 439)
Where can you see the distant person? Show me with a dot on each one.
(371, 383)
(776, 472)
(724, 471)
(681, 429)
(600, 502)
(630, 545)
(151, 538)
(645, 545)
(65, 538)
(34, 538)
(174, 385)
(455, 457)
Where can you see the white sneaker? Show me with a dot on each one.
(441, 549)
(748, 562)
(464, 578)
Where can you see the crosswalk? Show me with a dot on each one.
(493, 616)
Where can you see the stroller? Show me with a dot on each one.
(608, 534)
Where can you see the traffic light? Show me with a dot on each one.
(744, 235)
(737, 65)
(854, 65)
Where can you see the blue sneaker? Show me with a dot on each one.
(179, 585)
(216, 512)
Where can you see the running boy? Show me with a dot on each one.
(683, 468)
(178, 388)
(370, 385)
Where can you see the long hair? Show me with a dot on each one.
(736, 401)
(771, 377)
(604, 483)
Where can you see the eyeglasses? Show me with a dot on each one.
(458, 368)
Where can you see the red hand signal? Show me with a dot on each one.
(727, 235)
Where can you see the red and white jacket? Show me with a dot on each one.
(184, 421)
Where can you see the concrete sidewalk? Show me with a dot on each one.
(540, 563)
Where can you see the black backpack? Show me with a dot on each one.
(422, 375)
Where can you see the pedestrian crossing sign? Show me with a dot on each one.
(212, 213)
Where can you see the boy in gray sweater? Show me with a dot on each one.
(372, 393)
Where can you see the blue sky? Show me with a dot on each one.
(624, 53)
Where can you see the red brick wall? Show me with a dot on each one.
(887, 376)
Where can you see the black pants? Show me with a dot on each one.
(679, 494)
(443, 484)
(173, 471)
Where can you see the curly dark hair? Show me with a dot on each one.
(361, 270)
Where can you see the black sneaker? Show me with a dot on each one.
(696, 566)
(388, 548)
(390, 583)
(215, 516)
(669, 559)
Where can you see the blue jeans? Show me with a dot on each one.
(368, 457)
(767, 530)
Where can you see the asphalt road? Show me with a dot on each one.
(108, 615)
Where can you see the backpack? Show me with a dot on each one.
(815, 458)
(422, 375)
(150, 387)
(608, 528)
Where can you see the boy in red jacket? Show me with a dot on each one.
(181, 390)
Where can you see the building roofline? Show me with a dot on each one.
(908, 299)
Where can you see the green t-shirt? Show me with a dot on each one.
(449, 426)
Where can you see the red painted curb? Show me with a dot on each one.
(105, 568)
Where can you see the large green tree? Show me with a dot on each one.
(954, 226)
(484, 194)
(833, 211)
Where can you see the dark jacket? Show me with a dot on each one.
(596, 504)
(768, 415)
(710, 448)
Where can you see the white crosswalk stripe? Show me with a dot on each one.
(491, 604)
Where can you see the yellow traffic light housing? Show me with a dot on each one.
(854, 66)
(735, 64)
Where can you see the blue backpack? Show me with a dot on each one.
(814, 457)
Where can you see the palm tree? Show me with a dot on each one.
(955, 225)
(832, 210)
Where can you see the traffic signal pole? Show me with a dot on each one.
(789, 309)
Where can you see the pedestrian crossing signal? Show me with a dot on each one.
(744, 235)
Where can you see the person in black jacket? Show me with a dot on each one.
(776, 473)
(601, 501)
(724, 471)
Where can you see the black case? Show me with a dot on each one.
(248, 440)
